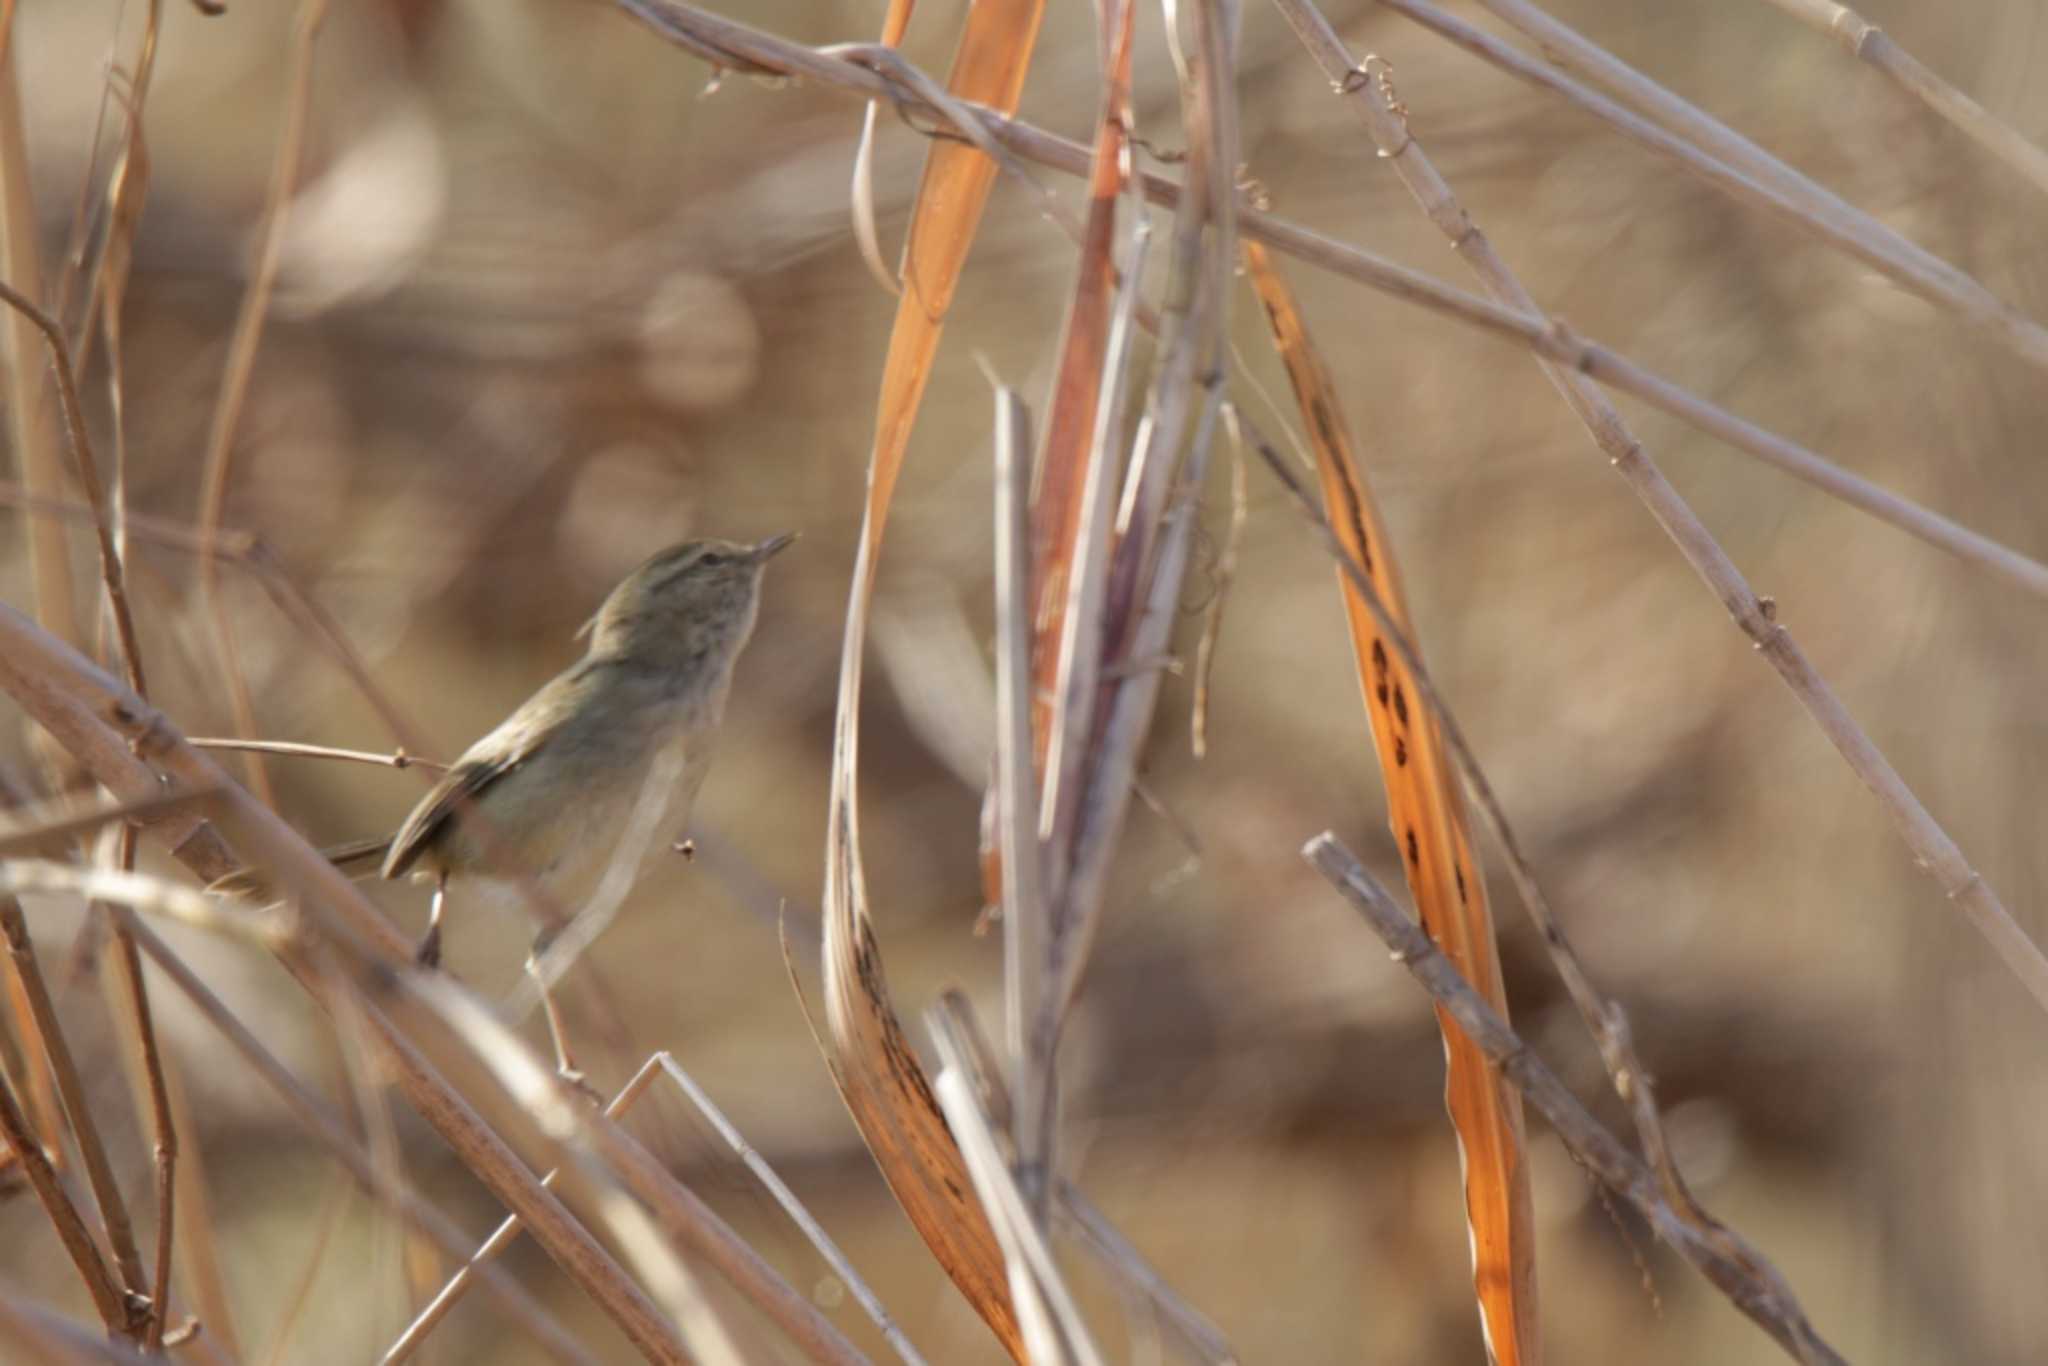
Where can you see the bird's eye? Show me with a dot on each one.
(711, 558)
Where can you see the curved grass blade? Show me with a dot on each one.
(879, 1077)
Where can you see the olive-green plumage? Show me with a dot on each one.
(544, 798)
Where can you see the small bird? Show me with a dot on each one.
(541, 801)
(536, 810)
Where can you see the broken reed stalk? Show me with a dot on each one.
(1055, 1333)
(1871, 45)
(1726, 1259)
(730, 45)
(1025, 928)
(1157, 514)
(1369, 97)
(1073, 1211)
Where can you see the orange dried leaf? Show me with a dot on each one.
(1070, 420)
(879, 1076)
(1427, 812)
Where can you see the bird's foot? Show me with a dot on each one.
(428, 954)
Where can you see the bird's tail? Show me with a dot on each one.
(357, 858)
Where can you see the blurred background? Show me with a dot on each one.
(548, 302)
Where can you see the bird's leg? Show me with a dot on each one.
(565, 1062)
(428, 954)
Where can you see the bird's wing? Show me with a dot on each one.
(488, 760)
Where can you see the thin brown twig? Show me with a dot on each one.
(241, 362)
(1726, 1259)
(398, 758)
(735, 46)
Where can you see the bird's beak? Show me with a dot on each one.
(773, 545)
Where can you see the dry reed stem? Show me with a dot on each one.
(601, 1152)
(241, 363)
(151, 1072)
(1156, 520)
(121, 1315)
(1074, 1213)
(92, 1151)
(813, 1231)
(111, 731)
(1929, 843)
(1733, 164)
(1870, 44)
(1055, 1334)
(1742, 1273)
(1025, 927)
(319, 1120)
(415, 1333)
(145, 892)
(728, 44)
